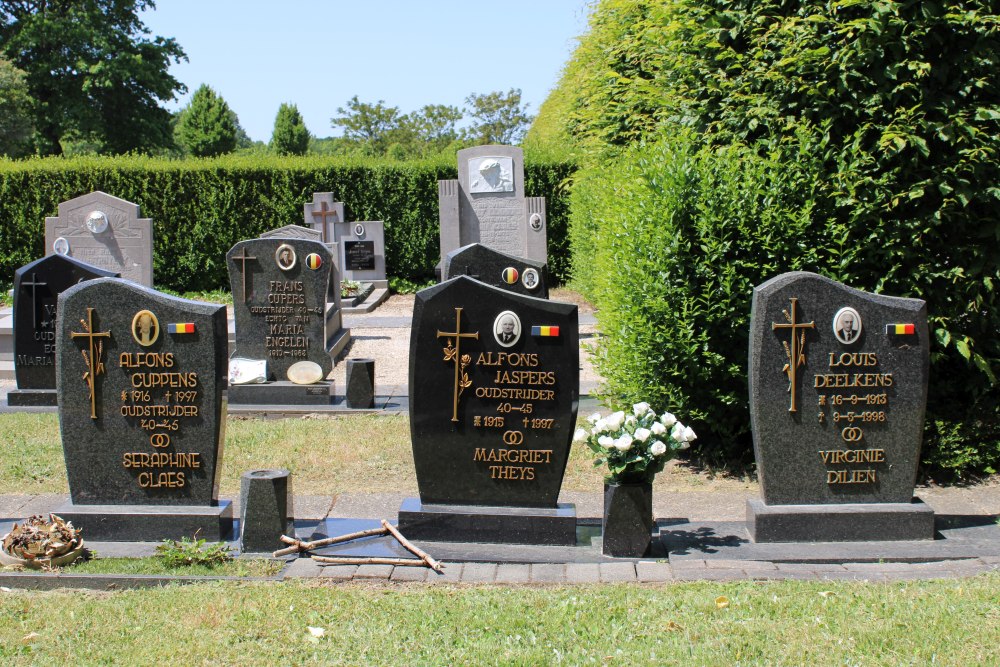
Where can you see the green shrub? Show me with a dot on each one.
(201, 208)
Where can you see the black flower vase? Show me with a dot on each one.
(627, 525)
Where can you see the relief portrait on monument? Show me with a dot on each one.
(491, 174)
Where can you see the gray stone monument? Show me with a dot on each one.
(106, 232)
(293, 232)
(287, 310)
(487, 205)
(514, 274)
(838, 387)
(141, 411)
(359, 247)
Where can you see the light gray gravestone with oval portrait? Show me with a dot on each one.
(838, 388)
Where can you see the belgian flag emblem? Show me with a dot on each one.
(510, 275)
(314, 261)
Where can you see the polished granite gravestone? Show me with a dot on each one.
(37, 286)
(494, 391)
(486, 205)
(106, 232)
(513, 274)
(141, 412)
(838, 387)
(287, 309)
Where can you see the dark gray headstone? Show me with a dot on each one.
(514, 274)
(837, 398)
(104, 231)
(140, 380)
(285, 303)
(494, 391)
(37, 286)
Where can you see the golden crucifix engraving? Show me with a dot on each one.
(451, 353)
(796, 352)
(93, 360)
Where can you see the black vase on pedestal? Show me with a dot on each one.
(627, 525)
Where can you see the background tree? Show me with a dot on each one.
(500, 118)
(207, 126)
(290, 136)
(15, 111)
(368, 124)
(93, 71)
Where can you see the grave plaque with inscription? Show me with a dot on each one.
(359, 255)
(36, 290)
(285, 304)
(494, 390)
(838, 387)
(140, 380)
(105, 231)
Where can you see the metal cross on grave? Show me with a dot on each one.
(94, 364)
(462, 380)
(34, 300)
(795, 352)
(242, 259)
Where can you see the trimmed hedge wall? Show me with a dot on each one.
(201, 208)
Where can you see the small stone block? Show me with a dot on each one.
(403, 573)
(547, 573)
(373, 572)
(479, 573)
(303, 567)
(853, 522)
(513, 573)
(583, 573)
(338, 572)
(360, 390)
(265, 509)
(651, 571)
(612, 572)
(451, 574)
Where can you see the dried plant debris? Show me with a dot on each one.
(41, 538)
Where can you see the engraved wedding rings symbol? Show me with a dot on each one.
(513, 438)
(145, 328)
(284, 257)
(852, 434)
(159, 440)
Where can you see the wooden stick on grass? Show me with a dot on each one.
(412, 548)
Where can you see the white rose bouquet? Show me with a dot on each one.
(635, 446)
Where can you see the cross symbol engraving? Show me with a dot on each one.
(34, 300)
(323, 213)
(94, 364)
(242, 259)
(462, 381)
(795, 353)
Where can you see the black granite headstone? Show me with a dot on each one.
(494, 391)
(140, 380)
(286, 307)
(838, 387)
(359, 255)
(36, 290)
(514, 274)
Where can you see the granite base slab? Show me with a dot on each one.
(32, 398)
(282, 392)
(499, 525)
(150, 523)
(852, 522)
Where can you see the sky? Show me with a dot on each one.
(318, 55)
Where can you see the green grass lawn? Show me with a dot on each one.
(955, 622)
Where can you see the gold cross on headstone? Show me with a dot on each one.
(242, 259)
(462, 380)
(94, 364)
(34, 284)
(795, 352)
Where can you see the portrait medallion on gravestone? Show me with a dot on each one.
(106, 232)
(284, 302)
(140, 382)
(838, 388)
(36, 290)
(514, 274)
(494, 390)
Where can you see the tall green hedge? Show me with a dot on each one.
(201, 208)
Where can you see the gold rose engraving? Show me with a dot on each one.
(461, 361)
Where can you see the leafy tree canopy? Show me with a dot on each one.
(93, 71)
(499, 117)
(290, 136)
(207, 126)
(15, 111)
